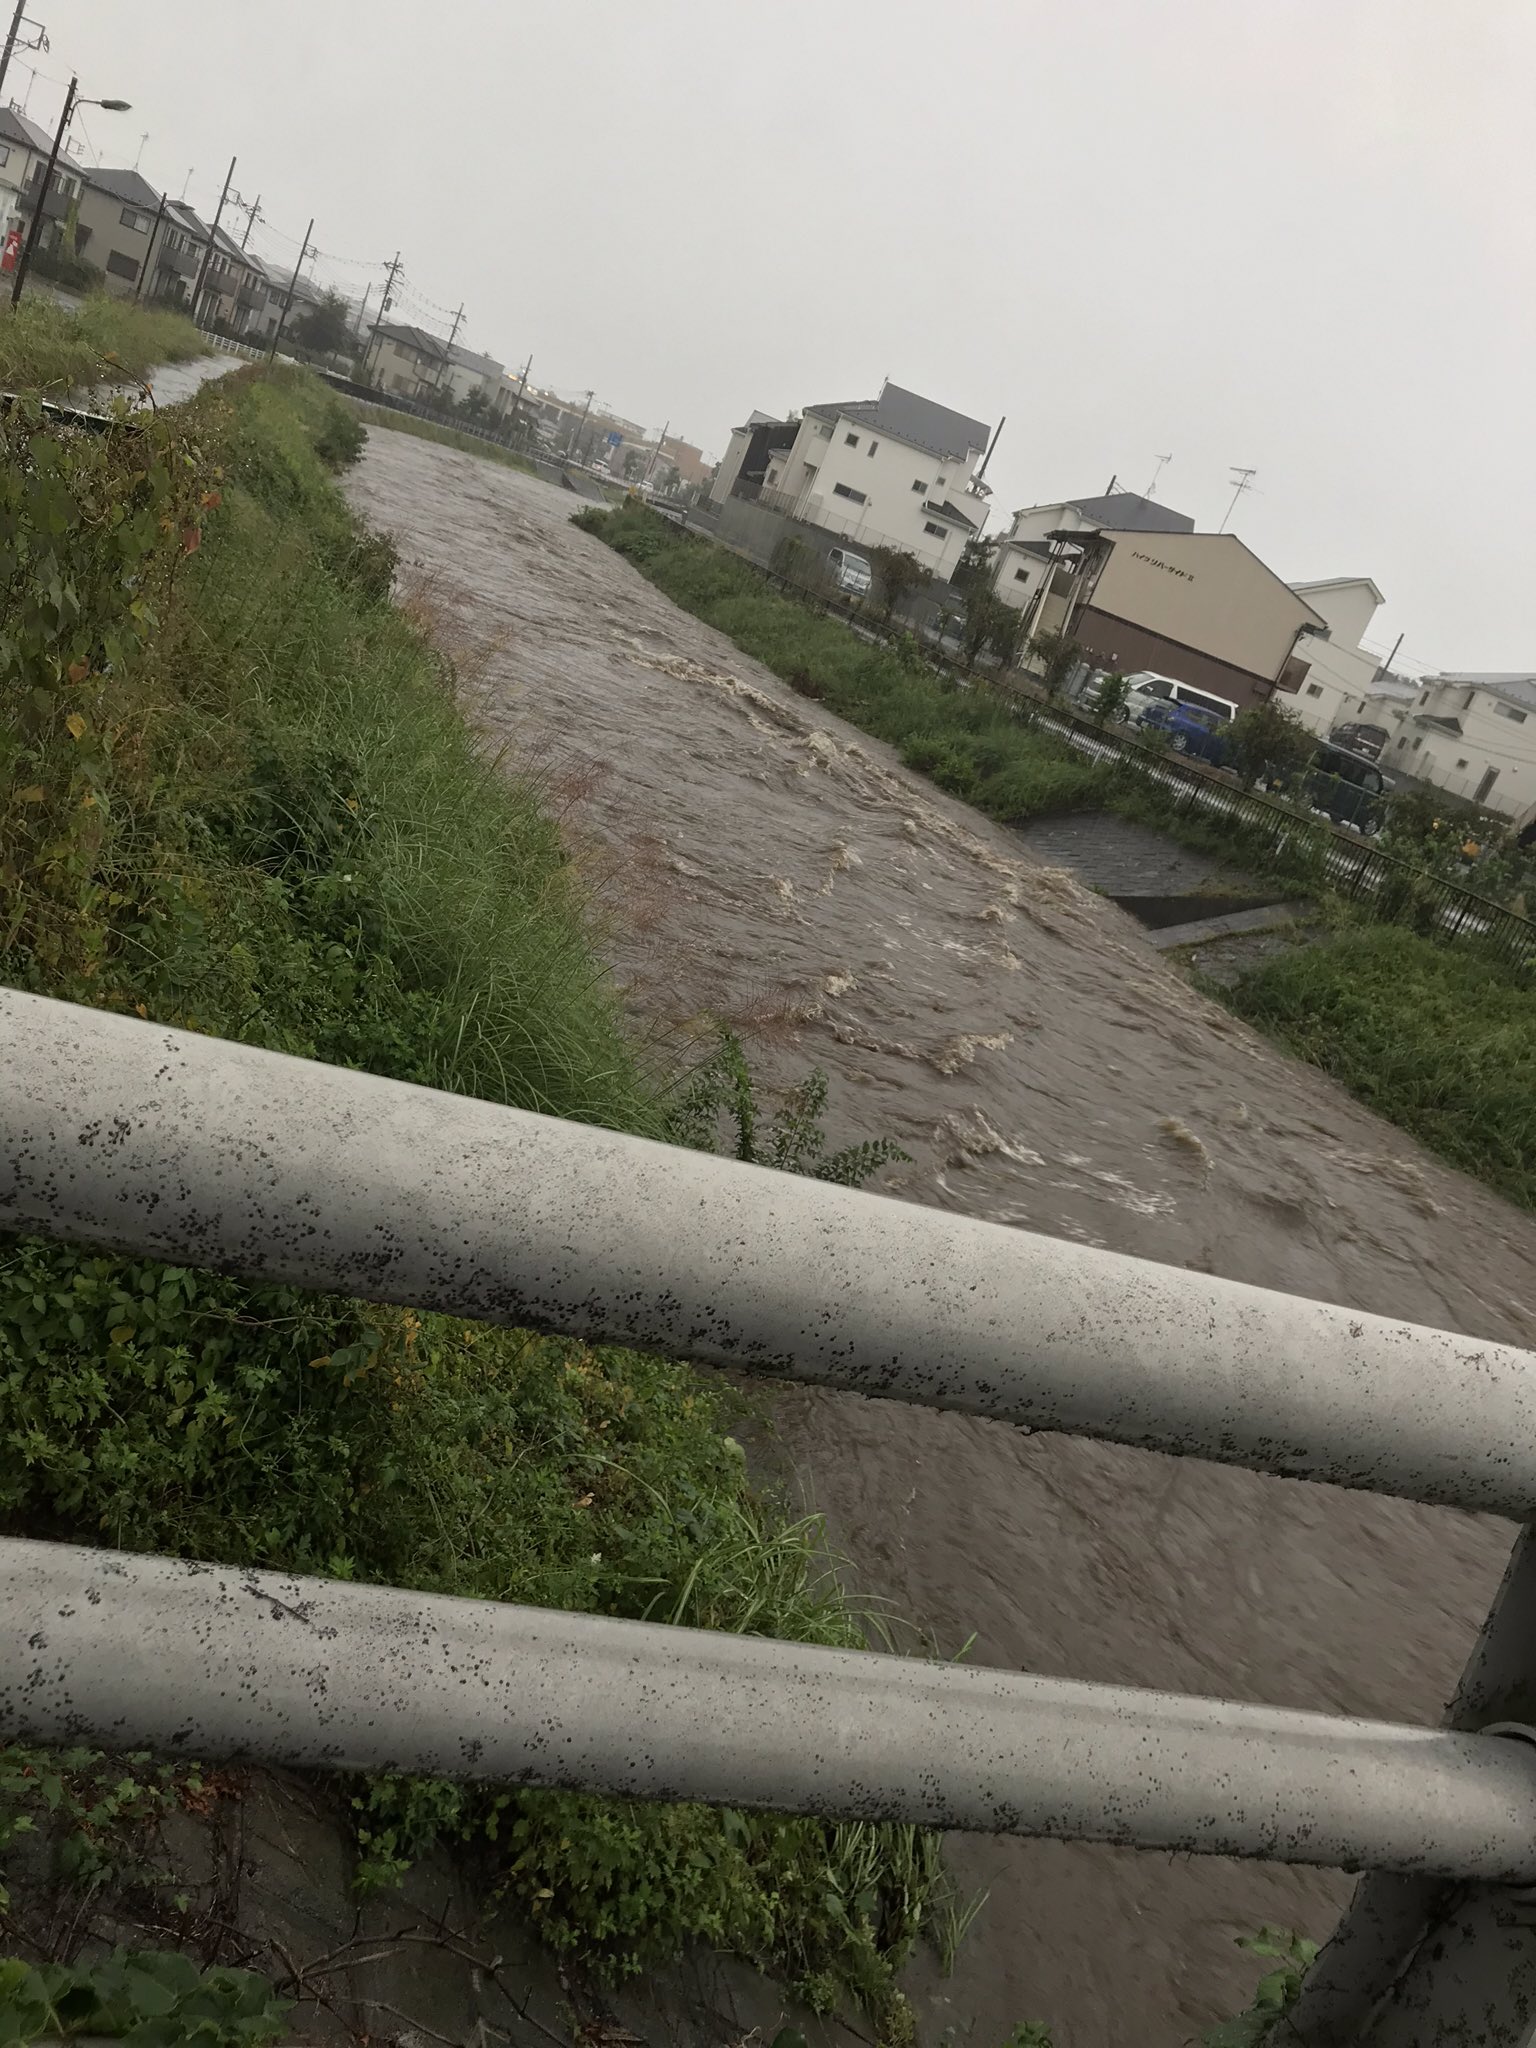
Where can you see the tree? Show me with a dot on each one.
(972, 574)
(475, 405)
(899, 572)
(1006, 633)
(634, 465)
(1269, 740)
(326, 328)
(1109, 699)
(1058, 655)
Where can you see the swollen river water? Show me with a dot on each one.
(1045, 1069)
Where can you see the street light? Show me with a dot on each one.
(72, 100)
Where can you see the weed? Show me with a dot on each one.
(238, 798)
(1441, 1040)
(139, 1996)
(1276, 1994)
(430, 430)
(46, 348)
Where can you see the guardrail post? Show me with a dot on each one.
(1416, 1963)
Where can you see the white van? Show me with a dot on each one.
(850, 572)
(1148, 687)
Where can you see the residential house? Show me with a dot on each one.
(1341, 673)
(897, 471)
(1026, 559)
(741, 469)
(63, 191)
(24, 148)
(406, 361)
(1473, 735)
(1155, 594)
(466, 373)
(114, 222)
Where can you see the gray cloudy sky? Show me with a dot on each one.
(1296, 235)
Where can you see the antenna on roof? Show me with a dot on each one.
(140, 157)
(1162, 463)
(186, 181)
(1243, 479)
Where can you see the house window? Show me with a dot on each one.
(1485, 785)
(132, 218)
(872, 447)
(1461, 764)
(123, 266)
(1509, 711)
(773, 476)
(938, 483)
(919, 485)
(939, 532)
(1021, 575)
(5, 154)
(843, 491)
(852, 440)
(824, 431)
(1416, 745)
(1314, 689)
(810, 470)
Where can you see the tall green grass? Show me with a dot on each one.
(265, 818)
(48, 348)
(448, 437)
(1433, 1037)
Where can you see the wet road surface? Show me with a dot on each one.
(762, 861)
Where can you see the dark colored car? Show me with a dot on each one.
(1367, 740)
(1348, 786)
(1204, 734)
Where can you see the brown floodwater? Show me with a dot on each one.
(1044, 1068)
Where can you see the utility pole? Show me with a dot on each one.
(453, 335)
(522, 386)
(252, 215)
(138, 290)
(362, 311)
(202, 269)
(654, 453)
(384, 305)
(1243, 479)
(10, 41)
(35, 226)
(990, 446)
(576, 433)
(282, 318)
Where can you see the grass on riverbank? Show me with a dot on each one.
(1432, 1037)
(236, 795)
(429, 430)
(47, 347)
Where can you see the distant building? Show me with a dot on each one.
(898, 471)
(406, 361)
(1472, 734)
(24, 148)
(1341, 674)
(1138, 588)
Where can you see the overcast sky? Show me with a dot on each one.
(1295, 235)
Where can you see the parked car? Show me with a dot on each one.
(1347, 786)
(1360, 739)
(1147, 688)
(850, 572)
(1191, 729)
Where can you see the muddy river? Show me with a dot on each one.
(1045, 1069)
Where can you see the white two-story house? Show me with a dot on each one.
(1472, 734)
(894, 471)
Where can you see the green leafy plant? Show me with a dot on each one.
(1276, 1994)
(1111, 697)
(899, 573)
(723, 1088)
(153, 1999)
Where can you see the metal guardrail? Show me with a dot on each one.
(126, 1134)
(215, 1662)
(179, 1146)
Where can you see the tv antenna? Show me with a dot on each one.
(1162, 463)
(140, 157)
(1242, 480)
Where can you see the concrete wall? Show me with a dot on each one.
(1207, 593)
(730, 465)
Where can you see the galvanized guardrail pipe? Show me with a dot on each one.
(216, 1662)
(126, 1134)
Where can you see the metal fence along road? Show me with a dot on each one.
(163, 1143)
